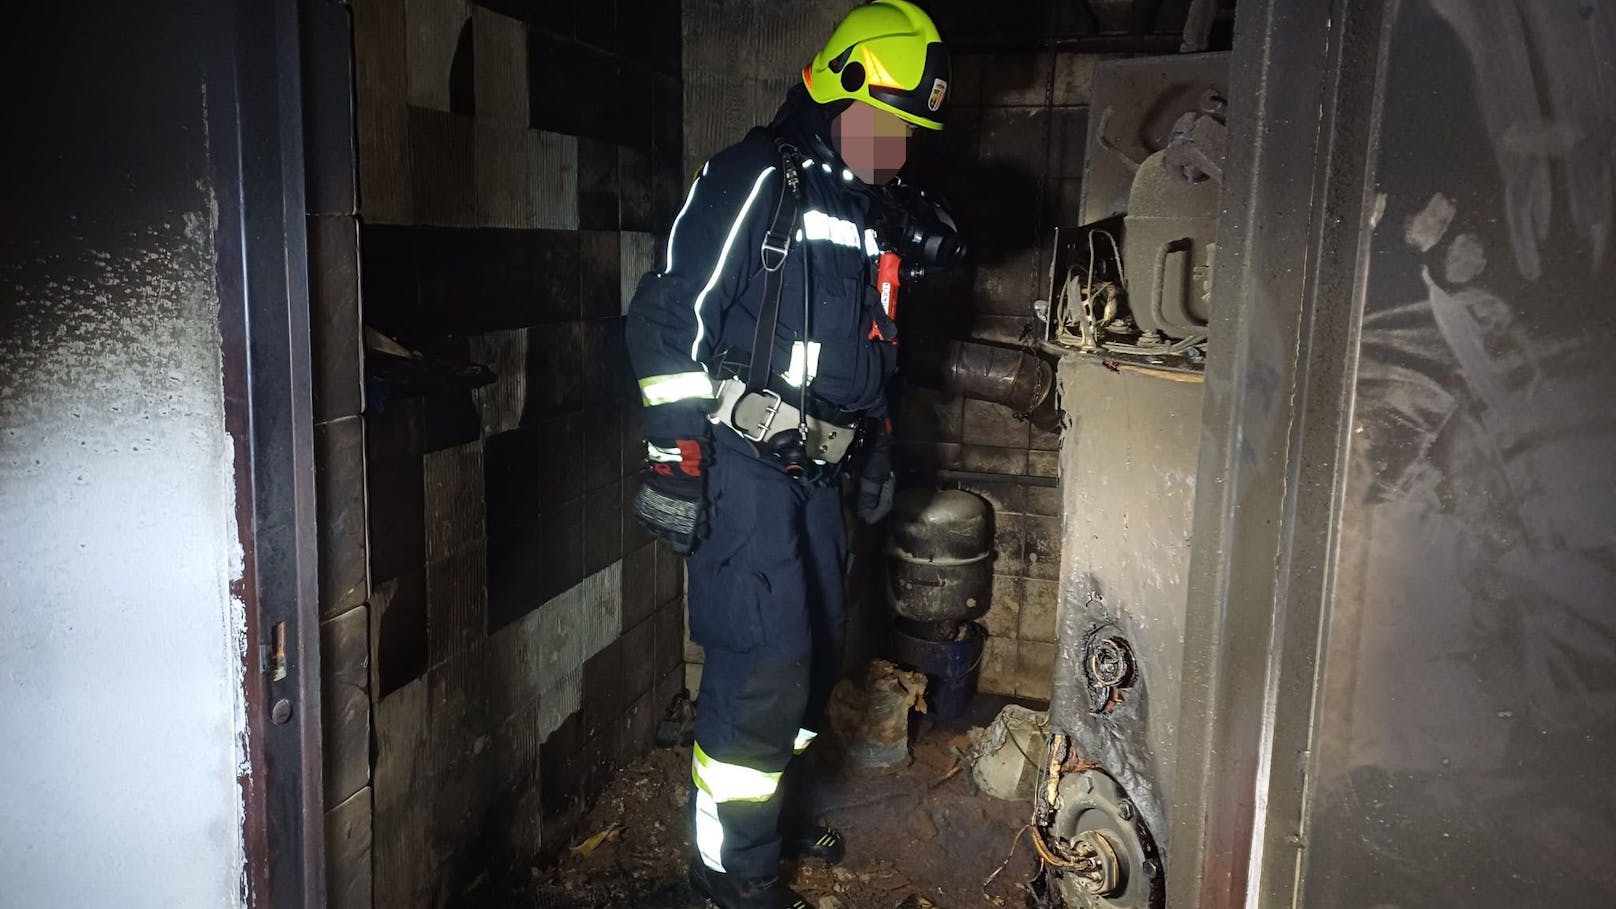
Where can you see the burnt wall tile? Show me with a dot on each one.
(1043, 544)
(460, 708)
(562, 553)
(670, 574)
(555, 368)
(555, 257)
(500, 292)
(1035, 662)
(672, 183)
(1043, 463)
(500, 404)
(998, 329)
(329, 158)
(345, 704)
(633, 436)
(637, 256)
(339, 451)
(603, 446)
(448, 420)
(632, 124)
(667, 113)
(1043, 440)
(639, 567)
(381, 117)
(992, 459)
(1039, 610)
(603, 527)
(446, 263)
(572, 87)
(596, 23)
(388, 284)
(929, 416)
(1044, 500)
(454, 488)
(639, 659)
(436, 35)
(669, 639)
(511, 668)
(1003, 287)
(639, 726)
(560, 462)
(617, 368)
(396, 501)
(514, 496)
(1004, 497)
(998, 672)
(604, 353)
(605, 694)
(600, 277)
(501, 66)
(668, 686)
(598, 185)
(1003, 618)
(635, 536)
(561, 770)
(516, 581)
(442, 161)
(348, 853)
(666, 17)
(1009, 536)
(398, 634)
(512, 480)
(551, 16)
(334, 329)
(456, 602)
(636, 189)
(986, 423)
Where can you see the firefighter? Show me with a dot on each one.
(763, 352)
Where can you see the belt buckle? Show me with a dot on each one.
(768, 417)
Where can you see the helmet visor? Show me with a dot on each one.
(925, 103)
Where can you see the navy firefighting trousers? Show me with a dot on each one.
(766, 605)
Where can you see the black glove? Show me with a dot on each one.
(876, 482)
(672, 499)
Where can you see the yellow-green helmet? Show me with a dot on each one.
(887, 54)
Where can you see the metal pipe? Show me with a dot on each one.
(1015, 378)
(974, 476)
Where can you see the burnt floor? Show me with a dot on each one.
(915, 834)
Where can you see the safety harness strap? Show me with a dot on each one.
(776, 244)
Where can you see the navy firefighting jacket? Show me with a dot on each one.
(694, 320)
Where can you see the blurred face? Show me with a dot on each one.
(873, 142)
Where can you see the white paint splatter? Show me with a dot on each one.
(1425, 230)
(1465, 260)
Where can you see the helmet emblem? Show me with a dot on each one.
(938, 89)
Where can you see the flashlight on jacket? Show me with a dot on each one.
(887, 280)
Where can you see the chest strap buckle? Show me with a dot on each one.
(767, 421)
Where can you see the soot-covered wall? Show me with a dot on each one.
(517, 166)
(121, 697)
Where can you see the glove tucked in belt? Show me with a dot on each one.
(876, 480)
(671, 502)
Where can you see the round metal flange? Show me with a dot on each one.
(1110, 662)
(1097, 829)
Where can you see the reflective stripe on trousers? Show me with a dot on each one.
(717, 782)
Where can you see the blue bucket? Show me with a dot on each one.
(950, 667)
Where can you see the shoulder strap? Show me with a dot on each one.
(776, 244)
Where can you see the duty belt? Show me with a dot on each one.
(760, 416)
